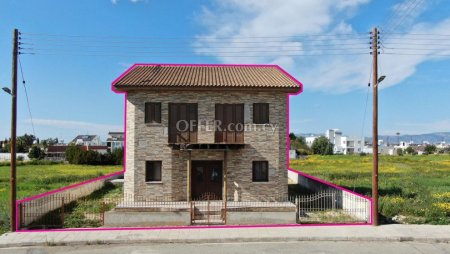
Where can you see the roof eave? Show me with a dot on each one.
(131, 88)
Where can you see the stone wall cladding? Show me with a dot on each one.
(146, 142)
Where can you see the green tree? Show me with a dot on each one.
(322, 146)
(400, 152)
(430, 149)
(117, 156)
(292, 136)
(25, 142)
(73, 154)
(299, 144)
(36, 153)
(409, 150)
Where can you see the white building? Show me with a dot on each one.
(115, 140)
(309, 140)
(344, 144)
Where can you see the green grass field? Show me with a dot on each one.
(36, 179)
(415, 189)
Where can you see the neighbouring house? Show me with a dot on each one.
(87, 140)
(341, 144)
(115, 140)
(58, 152)
(344, 144)
(310, 140)
(198, 132)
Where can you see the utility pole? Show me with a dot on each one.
(15, 54)
(375, 127)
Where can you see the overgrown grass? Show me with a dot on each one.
(413, 188)
(38, 177)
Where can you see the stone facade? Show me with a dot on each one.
(145, 142)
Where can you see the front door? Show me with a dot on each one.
(206, 180)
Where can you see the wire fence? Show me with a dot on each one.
(67, 212)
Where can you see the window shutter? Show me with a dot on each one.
(261, 113)
(152, 112)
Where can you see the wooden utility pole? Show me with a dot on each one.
(375, 127)
(15, 54)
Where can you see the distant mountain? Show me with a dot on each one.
(417, 139)
(433, 138)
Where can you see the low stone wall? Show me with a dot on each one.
(351, 203)
(7, 156)
(260, 218)
(32, 209)
(145, 219)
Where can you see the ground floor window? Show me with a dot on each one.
(153, 171)
(260, 171)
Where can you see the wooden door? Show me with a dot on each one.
(206, 180)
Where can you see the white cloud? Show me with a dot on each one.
(231, 21)
(132, 1)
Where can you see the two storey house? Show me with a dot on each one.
(206, 131)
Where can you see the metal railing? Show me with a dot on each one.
(332, 206)
(69, 212)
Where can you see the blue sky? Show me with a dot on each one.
(71, 94)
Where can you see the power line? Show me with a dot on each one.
(26, 95)
(190, 55)
(408, 10)
(197, 37)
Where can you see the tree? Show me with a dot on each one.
(292, 136)
(409, 150)
(322, 146)
(73, 153)
(299, 144)
(430, 149)
(400, 152)
(49, 142)
(25, 142)
(36, 153)
(117, 156)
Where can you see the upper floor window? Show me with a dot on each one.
(260, 113)
(230, 123)
(153, 112)
(183, 122)
(153, 171)
(260, 171)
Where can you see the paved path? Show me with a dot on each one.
(385, 233)
(260, 248)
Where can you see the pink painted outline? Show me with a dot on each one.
(198, 227)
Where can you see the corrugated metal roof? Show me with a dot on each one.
(206, 76)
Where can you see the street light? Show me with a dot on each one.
(7, 90)
(381, 78)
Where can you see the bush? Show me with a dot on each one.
(400, 152)
(36, 153)
(74, 155)
(322, 146)
(409, 150)
(430, 149)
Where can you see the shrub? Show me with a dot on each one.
(322, 146)
(36, 153)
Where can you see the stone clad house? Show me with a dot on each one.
(206, 131)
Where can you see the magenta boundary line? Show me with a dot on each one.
(193, 226)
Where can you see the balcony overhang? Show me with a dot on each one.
(206, 146)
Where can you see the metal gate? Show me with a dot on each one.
(208, 210)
